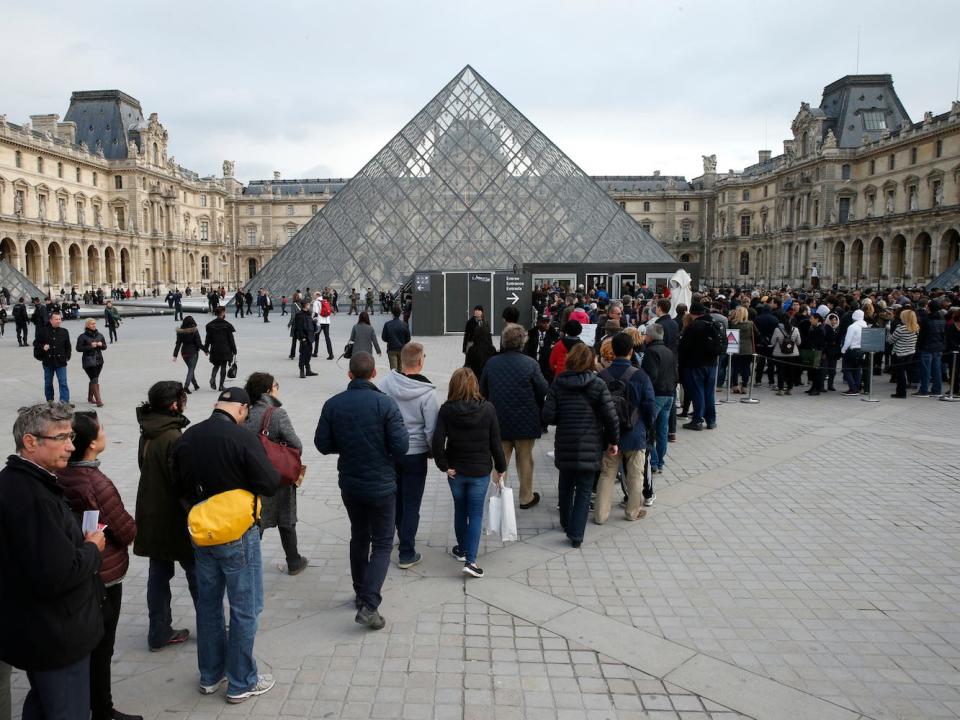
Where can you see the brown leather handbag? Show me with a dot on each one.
(283, 457)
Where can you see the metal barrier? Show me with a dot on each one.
(948, 396)
(750, 399)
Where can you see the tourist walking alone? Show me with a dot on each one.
(220, 347)
(91, 344)
(363, 337)
(111, 317)
(189, 347)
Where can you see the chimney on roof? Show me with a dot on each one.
(276, 175)
(67, 131)
(45, 123)
(656, 173)
(765, 155)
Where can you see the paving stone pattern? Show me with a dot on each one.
(810, 541)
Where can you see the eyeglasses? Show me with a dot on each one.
(62, 437)
(276, 386)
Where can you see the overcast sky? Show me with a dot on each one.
(314, 89)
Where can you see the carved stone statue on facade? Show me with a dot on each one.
(228, 168)
(709, 163)
(62, 209)
(928, 117)
(870, 206)
(889, 206)
(81, 215)
(96, 216)
(18, 204)
(914, 203)
(132, 151)
(832, 217)
(42, 200)
(99, 150)
(830, 142)
(938, 194)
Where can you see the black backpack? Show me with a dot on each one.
(627, 413)
(716, 338)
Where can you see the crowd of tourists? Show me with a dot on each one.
(207, 493)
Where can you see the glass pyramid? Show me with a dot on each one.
(468, 184)
(18, 284)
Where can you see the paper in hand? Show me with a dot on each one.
(91, 519)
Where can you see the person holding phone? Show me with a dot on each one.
(53, 621)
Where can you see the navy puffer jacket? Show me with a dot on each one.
(364, 426)
(579, 404)
(516, 387)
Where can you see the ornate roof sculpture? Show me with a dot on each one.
(468, 184)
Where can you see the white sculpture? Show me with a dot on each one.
(680, 291)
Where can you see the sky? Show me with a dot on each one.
(315, 89)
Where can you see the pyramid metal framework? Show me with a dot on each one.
(948, 279)
(18, 284)
(468, 184)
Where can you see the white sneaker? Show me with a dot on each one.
(551, 453)
(264, 684)
(648, 502)
(211, 689)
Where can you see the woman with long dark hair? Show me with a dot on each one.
(189, 346)
(91, 344)
(363, 337)
(280, 510)
(481, 349)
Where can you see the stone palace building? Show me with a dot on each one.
(860, 192)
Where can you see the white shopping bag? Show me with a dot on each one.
(508, 516)
(494, 513)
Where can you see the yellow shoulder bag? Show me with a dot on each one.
(223, 518)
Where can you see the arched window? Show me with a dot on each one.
(156, 154)
(684, 258)
(646, 206)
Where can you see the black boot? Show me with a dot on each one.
(302, 372)
(310, 373)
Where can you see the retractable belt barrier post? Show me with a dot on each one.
(870, 397)
(749, 399)
(948, 396)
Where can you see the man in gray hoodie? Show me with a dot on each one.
(414, 394)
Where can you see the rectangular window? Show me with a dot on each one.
(646, 206)
(746, 195)
(844, 209)
(874, 120)
(891, 161)
(39, 164)
(873, 167)
(291, 231)
(118, 182)
(203, 200)
(686, 206)
(251, 236)
(646, 227)
(744, 225)
(251, 210)
(845, 171)
(205, 266)
(622, 204)
(913, 156)
(18, 158)
(60, 169)
(938, 148)
(204, 230)
(289, 209)
(766, 191)
(79, 176)
(94, 179)
(313, 209)
(685, 232)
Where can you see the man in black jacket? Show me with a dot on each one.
(51, 346)
(20, 319)
(304, 332)
(50, 601)
(213, 457)
(395, 335)
(660, 364)
(698, 366)
(540, 341)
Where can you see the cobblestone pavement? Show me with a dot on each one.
(800, 561)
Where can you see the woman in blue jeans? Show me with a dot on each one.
(466, 446)
(581, 407)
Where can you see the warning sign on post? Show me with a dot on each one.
(733, 342)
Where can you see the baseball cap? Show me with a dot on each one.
(234, 395)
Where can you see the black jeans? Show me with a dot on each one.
(223, 374)
(304, 353)
(191, 362)
(764, 361)
(177, 313)
(238, 310)
(112, 331)
(371, 540)
(288, 540)
(101, 699)
(62, 694)
(22, 332)
(158, 598)
(575, 488)
(901, 366)
(325, 329)
(411, 479)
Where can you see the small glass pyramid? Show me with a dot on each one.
(468, 184)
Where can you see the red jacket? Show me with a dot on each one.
(86, 488)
